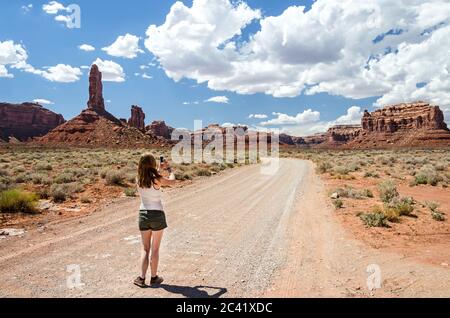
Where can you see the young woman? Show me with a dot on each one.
(152, 220)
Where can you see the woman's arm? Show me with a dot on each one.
(166, 170)
(164, 182)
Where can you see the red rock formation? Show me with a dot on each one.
(27, 120)
(137, 119)
(393, 118)
(315, 139)
(95, 89)
(416, 124)
(160, 129)
(341, 134)
(96, 127)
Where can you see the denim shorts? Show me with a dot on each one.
(154, 220)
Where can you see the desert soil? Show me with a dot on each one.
(240, 233)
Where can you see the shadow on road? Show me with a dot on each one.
(194, 292)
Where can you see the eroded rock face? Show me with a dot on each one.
(410, 116)
(95, 101)
(137, 119)
(343, 133)
(27, 120)
(160, 129)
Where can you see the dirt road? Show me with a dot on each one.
(240, 233)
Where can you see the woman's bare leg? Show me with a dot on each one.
(156, 242)
(145, 254)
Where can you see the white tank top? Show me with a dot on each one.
(150, 199)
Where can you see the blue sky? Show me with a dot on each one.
(176, 97)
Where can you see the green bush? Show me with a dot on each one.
(438, 216)
(43, 167)
(388, 191)
(183, 176)
(64, 178)
(16, 200)
(114, 177)
(203, 172)
(374, 219)
(60, 192)
(371, 174)
(427, 175)
(349, 192)
(130, 192)
(338, 204)
(324, 167)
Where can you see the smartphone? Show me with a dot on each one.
(161, 159)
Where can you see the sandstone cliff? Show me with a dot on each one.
(137, 119)
(27, 120)
(160, 129)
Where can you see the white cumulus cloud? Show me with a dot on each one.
(111, 71)
(4, 72)
(305, 117)
(15, 56)
(53, 7)
(351, 48)
(257, 116)
(86, 47)
(218, 99)
(126, 46)
(353, 117)
(62, 73)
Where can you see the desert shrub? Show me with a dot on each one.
(43, 167)
(435, 213)
(22, 178)
(202, 172)
(131, 177)
(85, 199)
(367, 193)
(438, 216)
(371, 174)
(402, 207)
(432, 205)
(5, 183)
(183, 176)
(324, 167)
(338, 204)
(76, 172)
(37, 178)
(130, 192)
(427, 175)
(64, 178)
(114, 177)
(44, 193)
(60, 192)
(341, 170)
(349, 192)
(388, 191)
(103, 173)
(374, 219)
(16, 200)
(19, 170)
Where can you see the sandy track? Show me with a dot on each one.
(237, 234)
